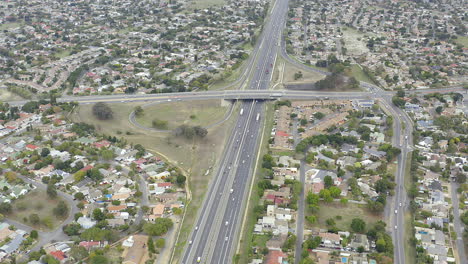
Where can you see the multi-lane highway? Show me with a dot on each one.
(217, 228)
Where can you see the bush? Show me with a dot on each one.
(102, 111)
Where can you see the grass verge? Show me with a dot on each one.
(359, 74)
(410, 249)
(247, 239)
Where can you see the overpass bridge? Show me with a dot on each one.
(232, 95)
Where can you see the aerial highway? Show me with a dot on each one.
(217, 228)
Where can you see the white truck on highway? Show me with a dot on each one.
(242, 111)
(258, 117)
(274, 95)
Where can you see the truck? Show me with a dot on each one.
(198, 259)
(241, 111)
(274, 95)
(258, 117)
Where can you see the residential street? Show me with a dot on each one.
(457, 225)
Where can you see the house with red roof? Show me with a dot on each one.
(91, 244)
(31, 147)
(87, 168)
(165, 185)
(101, 144)
(276, 257)
(58, 255)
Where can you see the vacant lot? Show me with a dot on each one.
(353, 41)
(307, 77)
(10, 25)
(359, 74)
(194, 113)
(347, 213)
(6, 96)
(462, 40)
(206, 3)
(36, 202)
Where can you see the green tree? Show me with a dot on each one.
(34, 234)
(98, 259)
(102, 111)
(358, 225)
(151, 247)
(139, 111)
(319, 115)
(51, 191)
(61, 210)
(326, 195)
(335, 191)
(78, 252)
(160, 243)
(328, 181)
(159, 227)
(45, 152)
(79, 196)
(34, 219)
(98, 215)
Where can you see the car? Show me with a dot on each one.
(400, 204)
(198, 259)
(243, 161)
(196, 228)
(190, 242)
(396, 227)
(231, 191)
(227, 223)
(229, 167)
(226, 238)
(169, 100)
(406, 137)
(396, 211)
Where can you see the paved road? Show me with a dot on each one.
(457, 225)
(216, 233)
(300, 214)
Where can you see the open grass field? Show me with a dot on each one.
(62, 54)
(206, 3)
(194, 113)
(359, 74)
(462, 40)
(6, 96)
(353, 41)
(10, 25)
(194, 157)
(36, 202)
(247, 239)
(307, 77)
(347, 213)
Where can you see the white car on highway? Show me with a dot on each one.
(227, 223)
